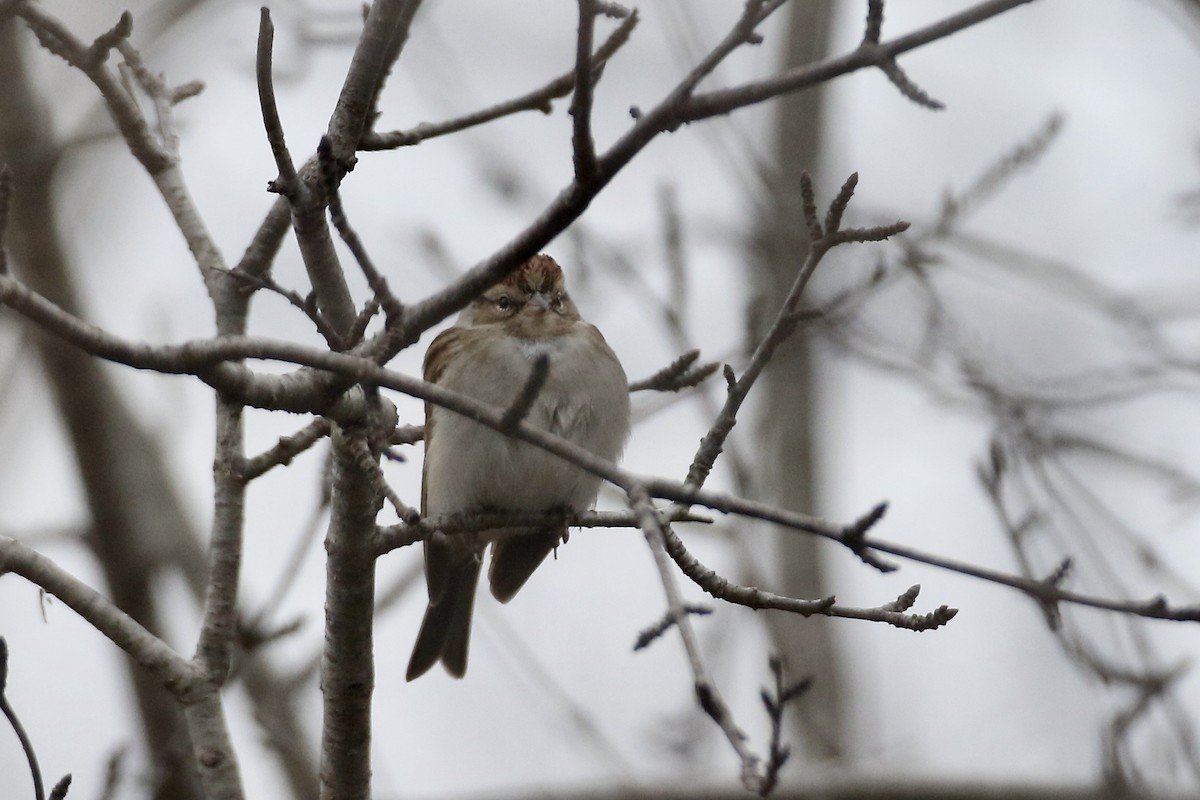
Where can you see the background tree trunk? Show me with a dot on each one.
(131, 529)
(138, 528)
(788, 473)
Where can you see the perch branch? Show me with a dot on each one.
(206, 359)
(392, 537)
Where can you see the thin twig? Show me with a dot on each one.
(523, 402)
(157, 153)
(723, 101)
(707, 694)
(647, 636)
(286, 183)
(393, 309)
(171, 669)
(752, 597)
(287, 448)
(874, 27)
(582, 144)
(405, 512)
(56, 38)
(678, 375)
(775, 700)
(539, 99)
(108, 41)
(823, 240)
(306, 305)
(888, 65)
(112, 774)
(39, 791)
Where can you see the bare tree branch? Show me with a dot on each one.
(678, 375)
(707, 694)
(285, 450)
(39, 791)
(868, 54)
(583, 146)
(392, 537)
(393, 309)
(151, 653)
(203, 357)
(537, 100)
(286, 183)
(523, 402)
(347, 663)
(218, 629)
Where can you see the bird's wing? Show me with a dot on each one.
(439, 559)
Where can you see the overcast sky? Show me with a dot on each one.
(989, 696)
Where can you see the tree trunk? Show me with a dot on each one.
(788, 475)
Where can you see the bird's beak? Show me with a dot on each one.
(541, 301)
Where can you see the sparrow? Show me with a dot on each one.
(489, 354)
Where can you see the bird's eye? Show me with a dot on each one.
(505, 303)
(556, 302)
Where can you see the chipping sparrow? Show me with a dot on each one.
(488, 355)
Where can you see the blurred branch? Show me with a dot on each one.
(679, 374)
(680, 105)
(822, 241)
(39, 791)
(536, 100)
(137, 533)
(707, 694)
(867, 54)
(151, 653)
(157, 152)
(776, 699)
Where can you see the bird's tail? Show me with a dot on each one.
(446, 629)
(516, 556)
